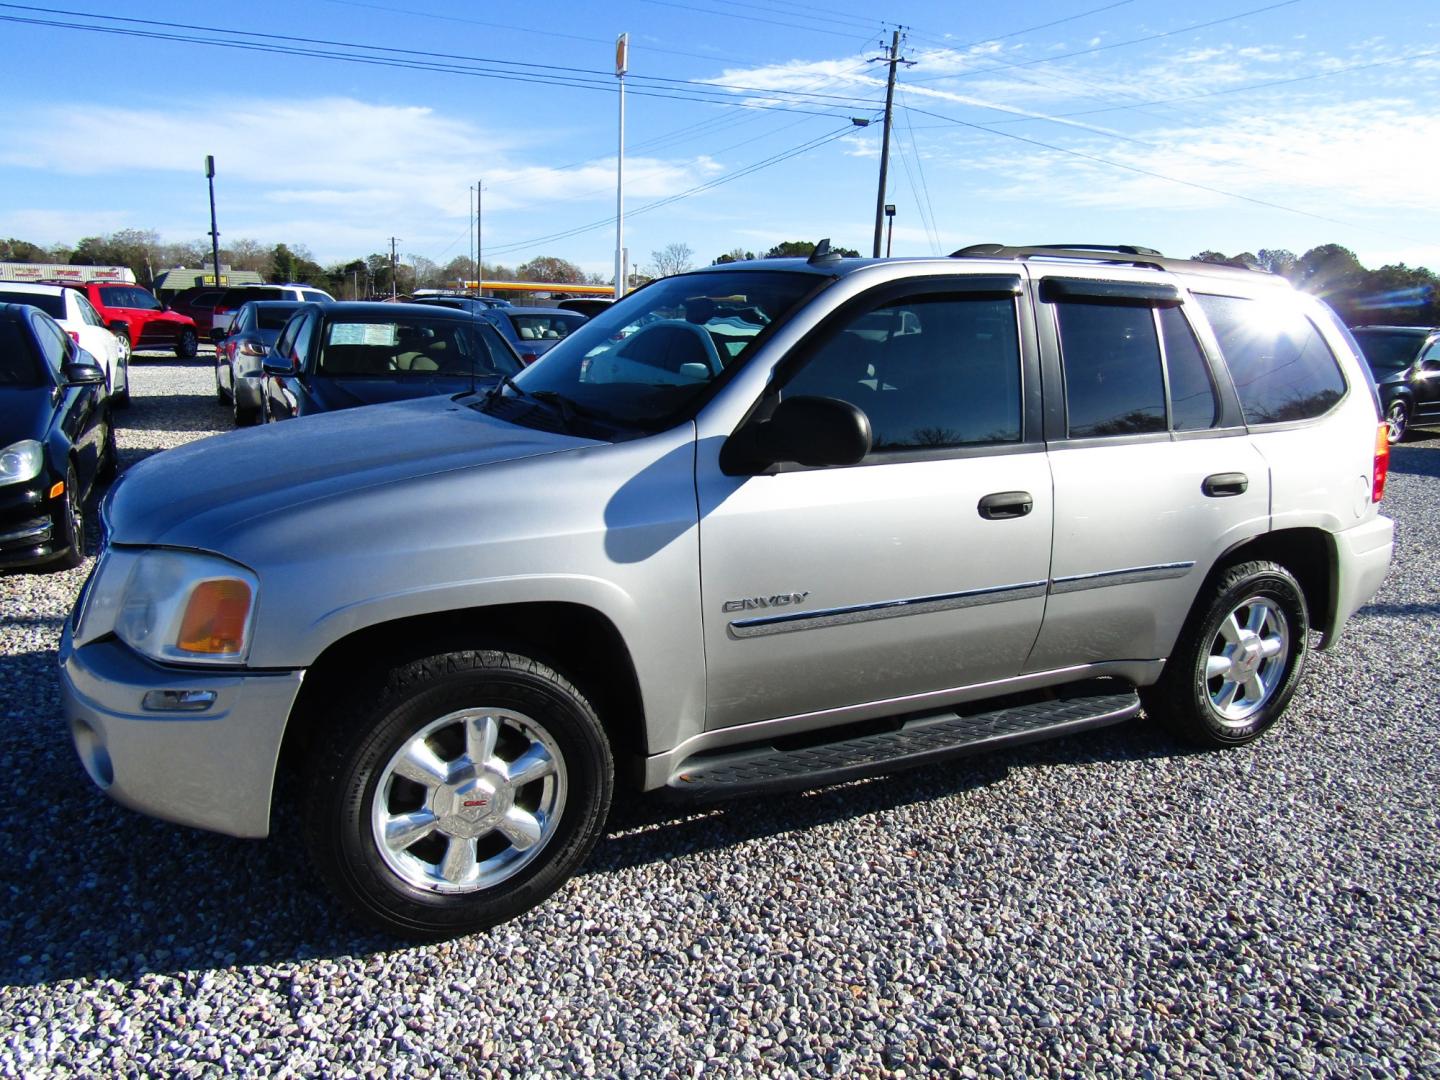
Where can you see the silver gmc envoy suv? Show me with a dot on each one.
(773, 524)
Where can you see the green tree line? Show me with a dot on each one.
(1396, 294)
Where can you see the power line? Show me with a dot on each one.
(1143, 172)
(752, 18)
(765, 163)
(1241, 89)
(529, 30)
(930, 225)
(1026, 30)
(1116, 44)
(674, 93)
(510, 68)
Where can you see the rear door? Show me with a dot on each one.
(1154, 473)
(888, 583)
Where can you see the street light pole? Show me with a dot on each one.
(890, 231)
(622, 64)
(214, 232)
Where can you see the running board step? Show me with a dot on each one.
(917, 741)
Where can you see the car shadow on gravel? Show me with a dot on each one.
(1415, 460)
(174, 412)
(97, 891)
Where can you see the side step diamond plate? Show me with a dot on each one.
(919, 741)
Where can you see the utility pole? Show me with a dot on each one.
(479, 234)
(214, 232)
(392, 268)
(622, 64)
(893, 60)
(470, 193)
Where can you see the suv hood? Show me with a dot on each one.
(198, 494)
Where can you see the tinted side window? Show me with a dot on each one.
(17, 366)
(54, 345)
(929, 372)
(1193, 405)
(1282, 368)
(1433, 352)
(285, 344)
(1113, 381)
(304, 334)
(87, 312)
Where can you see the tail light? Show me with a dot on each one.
(1382, 463)
(221, 309)
(251, 348)
(74, 336)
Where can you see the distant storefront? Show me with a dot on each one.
(170, 282)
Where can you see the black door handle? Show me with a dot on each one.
(1224, 484)
(1006, 504)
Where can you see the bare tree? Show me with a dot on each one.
(672, 259)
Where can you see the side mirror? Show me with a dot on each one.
(83, 373)
(813, 431)
(274, 364)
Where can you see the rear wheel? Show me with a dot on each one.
(123, 340)
(219, 390)
(187, 345)
(1239, 658)
(465, 794)
(245, 415)
(1397, 419)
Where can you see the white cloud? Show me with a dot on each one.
(351, 164)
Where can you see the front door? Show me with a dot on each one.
(895, 580)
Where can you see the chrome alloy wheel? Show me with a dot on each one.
(1247, 659)
(1397, 417)
(469, 800)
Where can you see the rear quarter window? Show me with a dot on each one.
(1281, 366)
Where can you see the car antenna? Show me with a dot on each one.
(822, 254)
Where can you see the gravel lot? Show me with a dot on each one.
(1110, 902)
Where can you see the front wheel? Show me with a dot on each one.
(467, 793)
(187, 345)
(1397, 420)
(71, 521)
(1239, 658)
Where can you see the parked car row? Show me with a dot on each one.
(1405, 361)
(77, 316)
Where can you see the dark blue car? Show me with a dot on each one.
(337, 356)
(55, 440)
(535, 331)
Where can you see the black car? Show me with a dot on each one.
(337, 356)
(1406, 363)
(55, 440)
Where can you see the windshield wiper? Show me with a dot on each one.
(505, 380)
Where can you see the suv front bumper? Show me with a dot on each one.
(213, 769)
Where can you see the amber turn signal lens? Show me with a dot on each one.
(57, 489)
(215, 617)
(1382, 463)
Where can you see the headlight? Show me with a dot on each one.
(174, 605)
(21, 461)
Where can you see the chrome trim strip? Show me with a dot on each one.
(1128, 576)
(30, 531)
(885, 609)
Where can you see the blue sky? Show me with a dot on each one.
(1279, 124)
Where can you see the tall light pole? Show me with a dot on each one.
(622, 64)
(890, 230)
(214, 232)
(479, 233)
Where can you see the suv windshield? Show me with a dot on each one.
(398, 348)
(1387, 351)
(648, 358)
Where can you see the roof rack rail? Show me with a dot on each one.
(1114, 254)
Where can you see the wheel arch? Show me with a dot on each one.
(1309, 554)
(578, 641)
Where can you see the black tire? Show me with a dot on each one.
(351, 758)
(110, 456)
(245, 416)
(187, 345)
(71, 526)
(122, 399)
(1185, 696)
(1397, 418)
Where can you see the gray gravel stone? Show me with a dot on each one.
(1112, 902)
